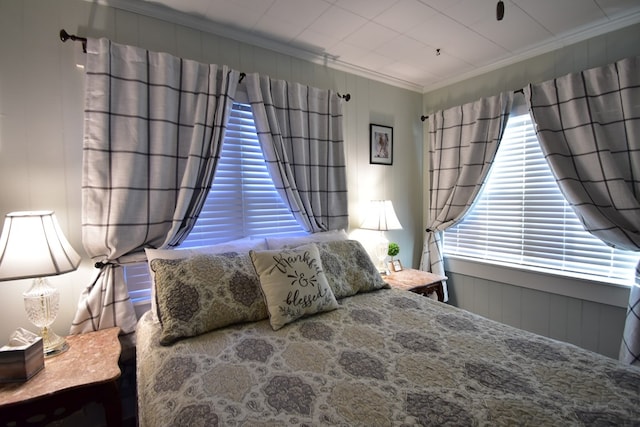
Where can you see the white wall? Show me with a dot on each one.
(588, 314)
(41, 128)
(41, 97)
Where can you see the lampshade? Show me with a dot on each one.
(33, 245)
(381, 216)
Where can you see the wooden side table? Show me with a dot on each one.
(87, 372)
(420, 282)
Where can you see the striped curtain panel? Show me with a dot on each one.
(463, 142)
(300, 132)
(153, 130)
(588, 126)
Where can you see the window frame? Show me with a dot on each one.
(537, 277)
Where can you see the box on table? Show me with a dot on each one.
(21, 363)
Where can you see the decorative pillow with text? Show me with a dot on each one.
(293, 283)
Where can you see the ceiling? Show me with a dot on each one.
(416, 44)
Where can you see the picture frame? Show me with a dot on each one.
(395, 265)
(380, 145)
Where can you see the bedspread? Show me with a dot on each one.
(384, 358)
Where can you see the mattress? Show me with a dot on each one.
(383, 358)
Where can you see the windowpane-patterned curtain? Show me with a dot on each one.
(588, 126)
(462, 142)
(153, 130)
(301, 135)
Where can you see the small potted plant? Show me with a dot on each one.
(394, 249)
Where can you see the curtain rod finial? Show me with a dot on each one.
(64, 36)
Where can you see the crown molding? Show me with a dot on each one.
(164, 13)
(201, 23)
(558, 42)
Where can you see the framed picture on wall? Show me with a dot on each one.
(380, 145)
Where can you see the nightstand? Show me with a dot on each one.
(420, 282)
(87, 372)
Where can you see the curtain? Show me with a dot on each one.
(300, 132)
(153, 130)
(463, 142)
(588, 125)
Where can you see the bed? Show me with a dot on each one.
(373, 356)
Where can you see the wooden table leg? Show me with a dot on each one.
(112, 404)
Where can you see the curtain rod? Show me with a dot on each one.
(64, 36)
(423, 118)
(346, 96)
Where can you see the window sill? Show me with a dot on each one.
(614, 294)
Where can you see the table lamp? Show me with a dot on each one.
(32, 245)
(382, 217)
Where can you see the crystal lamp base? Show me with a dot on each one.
(382, 249)
(41, 302)
(53, 343)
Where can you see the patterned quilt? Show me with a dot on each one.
(384, 358)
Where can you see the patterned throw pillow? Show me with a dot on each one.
(349, 268)
(240, 245)
(206, 292)
(293, 283)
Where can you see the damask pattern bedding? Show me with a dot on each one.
(383, 358)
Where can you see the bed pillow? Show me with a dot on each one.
(349, 268)
(206, 292)
(292, 242)
(240, 246)
(293, 283)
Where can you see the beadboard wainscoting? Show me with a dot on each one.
(594, 321)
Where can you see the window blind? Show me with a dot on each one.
(521, 217)
(138, 281)
(242, 201)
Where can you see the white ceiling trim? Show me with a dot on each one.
(542, 48)
(164, 13)
(199, 23)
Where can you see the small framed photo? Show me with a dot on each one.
(395, 265)
(380, 145)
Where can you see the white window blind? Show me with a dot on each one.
(521, 217)
(242, 201)
(138, 281)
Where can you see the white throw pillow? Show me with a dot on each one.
(292, 242)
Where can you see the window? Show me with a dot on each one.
(243, 200)
(521, 218)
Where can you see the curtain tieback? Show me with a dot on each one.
(101, 264)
